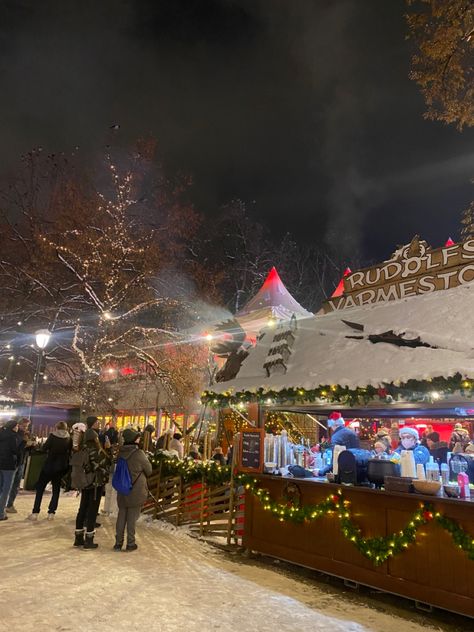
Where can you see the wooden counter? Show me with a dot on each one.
(433, 570)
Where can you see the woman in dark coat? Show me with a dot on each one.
(129, 506)
(9, 456)
(58, 446)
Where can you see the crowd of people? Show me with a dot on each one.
(389, 442)
(84, 458)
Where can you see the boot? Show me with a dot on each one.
(79, 537)
(89, 542)
(132, 547)
(118, 546)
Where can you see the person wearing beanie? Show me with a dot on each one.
(409, 440)
(130, 505)
(95, 462)
(9, 458)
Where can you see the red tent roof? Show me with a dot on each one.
(273, 294)
(340, 286)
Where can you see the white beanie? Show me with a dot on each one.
(409, 431)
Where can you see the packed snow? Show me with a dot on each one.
(172, 582)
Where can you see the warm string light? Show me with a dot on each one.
(429, 390)
(377, 549)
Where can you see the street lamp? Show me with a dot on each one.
(42, 338)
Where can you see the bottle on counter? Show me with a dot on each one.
(445, 473)
(463, 482)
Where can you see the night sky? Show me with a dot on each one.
(301, 108)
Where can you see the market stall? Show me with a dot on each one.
(395, 345)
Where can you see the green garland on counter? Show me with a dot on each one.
(412, 390)
(377, 549)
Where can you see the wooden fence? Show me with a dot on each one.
(208, 510)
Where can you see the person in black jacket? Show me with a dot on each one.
(58, 446)
(24, 446)
(9, 456)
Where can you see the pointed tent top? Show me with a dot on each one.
(450, 242)
(340, 286)
(274, 298)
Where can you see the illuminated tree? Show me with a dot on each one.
(84, 263)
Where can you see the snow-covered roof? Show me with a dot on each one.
(322, 352)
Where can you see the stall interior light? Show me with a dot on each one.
(435, 395)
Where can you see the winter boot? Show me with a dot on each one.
(79, 537)
(118, 546)
(89, 541)
(132, 547)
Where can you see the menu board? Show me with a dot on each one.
(251, 450)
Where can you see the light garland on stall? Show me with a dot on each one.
(377, 549)
(412, 390)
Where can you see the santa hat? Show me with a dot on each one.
(336, 417)
(413, 432)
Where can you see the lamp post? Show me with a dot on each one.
(42, 338)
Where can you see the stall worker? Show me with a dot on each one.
(459, 439)
(409, 440)
(340, 436)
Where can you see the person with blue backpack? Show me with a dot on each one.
(129, 481)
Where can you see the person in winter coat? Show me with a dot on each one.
(218, 456)
(409, 440)
(129, 506)
(9, 458)
(176, 445)
(97, 466)
(24, 445)
(340, 436)
(459, 439)
(58, 446)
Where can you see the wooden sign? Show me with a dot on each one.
(251, 450)
(413, 269)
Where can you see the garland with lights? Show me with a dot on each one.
(190, 471)
(377, 549)
(412, 390)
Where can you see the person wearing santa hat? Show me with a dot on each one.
(340, 436)
(409, 440)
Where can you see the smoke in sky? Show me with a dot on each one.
(304, 107)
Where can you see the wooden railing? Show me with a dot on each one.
(209, 510)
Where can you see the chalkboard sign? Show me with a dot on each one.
(251, 450)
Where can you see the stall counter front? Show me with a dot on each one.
(432, 570)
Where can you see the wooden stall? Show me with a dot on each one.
(433, 570)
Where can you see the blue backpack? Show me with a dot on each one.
(121, 480)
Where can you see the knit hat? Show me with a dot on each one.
(458, 427)
(409, 431)
(129, 435)
(90, 421)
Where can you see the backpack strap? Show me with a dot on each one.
(126, 459)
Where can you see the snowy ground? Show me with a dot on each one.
(173, 582)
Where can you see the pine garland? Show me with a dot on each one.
(412, 390)
(377, 549)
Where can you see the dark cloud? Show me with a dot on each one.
(304, 107)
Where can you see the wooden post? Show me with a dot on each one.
(232, 488)
(201, 513)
